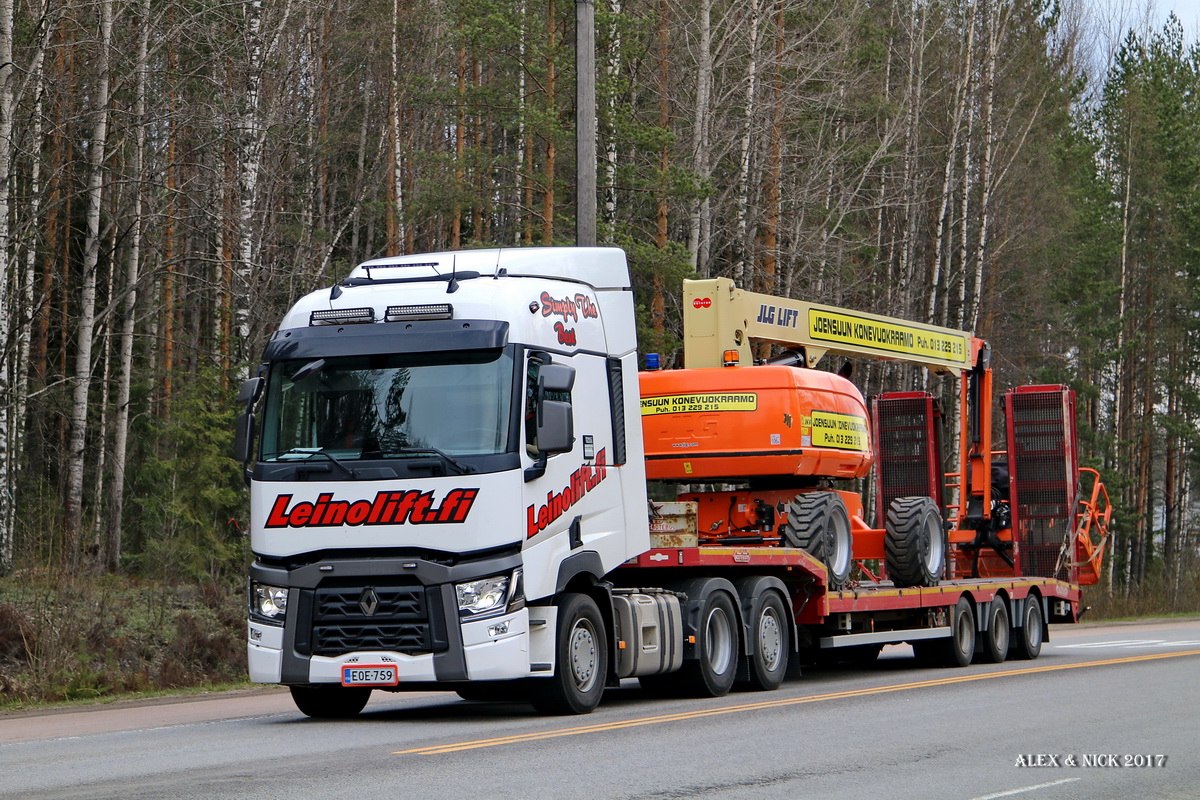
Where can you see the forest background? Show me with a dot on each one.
(173, 174)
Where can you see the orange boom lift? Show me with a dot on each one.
(765, 441)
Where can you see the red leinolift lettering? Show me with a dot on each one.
(583, 480)
(388, 508)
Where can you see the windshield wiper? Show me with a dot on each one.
(462, 468)
(315, 451)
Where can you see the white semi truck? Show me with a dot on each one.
(448, 491)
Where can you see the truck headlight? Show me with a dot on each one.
(489, 597)
(268, 603)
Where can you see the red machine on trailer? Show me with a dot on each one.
(972, 562)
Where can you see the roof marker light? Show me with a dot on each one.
(420, 311)
(342, 316)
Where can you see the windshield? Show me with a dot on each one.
(389, 406)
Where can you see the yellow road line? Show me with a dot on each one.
(766, 704)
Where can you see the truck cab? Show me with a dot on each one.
(436, 450)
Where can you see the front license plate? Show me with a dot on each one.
(382, 675)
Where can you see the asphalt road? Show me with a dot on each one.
(1108, 711)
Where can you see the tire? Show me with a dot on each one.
(712, 673)
(771, 632)
(955, 651)
(581, 663)
(493, 691)
(330, 701)
(1027, 640)
(960, 647)
(915, 542)
(818, 522)
(994, 647)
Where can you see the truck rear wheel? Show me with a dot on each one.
(330, 701)
(772, 634)
(915, 542)
(818, 522)
(1027, 640)
(581, 663)
(712, 673)
(995, 640)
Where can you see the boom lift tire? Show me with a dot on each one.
(330, 701)
(994, 647)
(717, 646)
(581, 662)
(915, 542)
(819, 523)
(772, 634)
(1027, 640)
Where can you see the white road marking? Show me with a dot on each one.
(1127, 643)
(1012, 792)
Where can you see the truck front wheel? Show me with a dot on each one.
(330, 701)
(581, 663)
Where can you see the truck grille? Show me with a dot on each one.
(400, 620)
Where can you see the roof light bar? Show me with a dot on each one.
(342, 316)
(419, 311)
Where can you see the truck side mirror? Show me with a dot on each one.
(555, 420)
(249, 390)
(556, 378)
(243, 437)
(243, 432)
(556, 429)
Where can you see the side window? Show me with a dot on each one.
(531, 390)
(561, 400)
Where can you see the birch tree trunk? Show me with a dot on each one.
(961, 93)
(7, 151)
(112, 549)
(743, 197)
(551, 114)
(77, 439)
(701, 206)
(252, 140)
(612, 71)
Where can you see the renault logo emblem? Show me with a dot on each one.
(368, 601)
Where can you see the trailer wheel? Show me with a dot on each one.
(995, 640)
(581, 663)
(960, 647)
(713, 672)
(915, 542)
(772, 634)
(818, 522)
(1027, 640)
(330, 701)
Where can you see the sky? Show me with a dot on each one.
(1188, 12)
